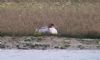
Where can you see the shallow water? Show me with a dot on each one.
(49, 54)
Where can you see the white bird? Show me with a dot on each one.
(48, 29)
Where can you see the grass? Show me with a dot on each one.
(71, 18)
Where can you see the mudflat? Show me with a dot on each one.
(48, 42)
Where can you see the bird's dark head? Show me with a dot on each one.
(50, 25)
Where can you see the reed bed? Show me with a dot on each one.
(70, 17)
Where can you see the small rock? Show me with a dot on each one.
(80, 46)
(2, 46)
(99, 42)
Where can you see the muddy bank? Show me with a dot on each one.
(48, 42)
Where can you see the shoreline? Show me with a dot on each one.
(48, 43)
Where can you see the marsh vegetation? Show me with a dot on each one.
(71, 17)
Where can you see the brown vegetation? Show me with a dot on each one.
(69, 18)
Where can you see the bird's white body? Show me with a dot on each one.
(53, 30)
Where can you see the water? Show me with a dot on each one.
(49, 55)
